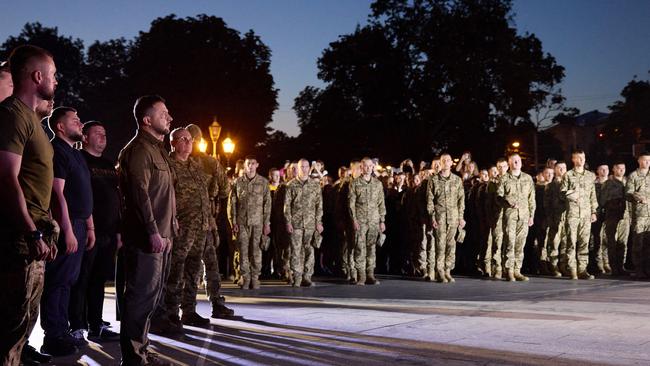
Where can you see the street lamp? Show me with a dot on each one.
(228, 149)
(203, 145)
(516, 144)
(215, 131)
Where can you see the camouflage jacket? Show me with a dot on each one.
(517, 191)
(366, 201)
(192, 201)
(612, 196)
(249, 202)
(554, 201)
(493, 211)
(579, 192)
(637, 188)
(446, 198)
(218, 186)
(303, 204)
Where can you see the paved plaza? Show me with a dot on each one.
(411, 322)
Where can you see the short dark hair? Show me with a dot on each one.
(502, 160)
(144, 104)
(250, 157)
(90, 124)
(273, 170)
(560, 162)
(20, 57)
(577, 151)
(644, 153)
(618, 162)
(57, 114)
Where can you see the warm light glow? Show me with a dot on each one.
(456, 160)
(389, 167)
(516, 144)
(203, 145)
(215, 130)
(228, 146)
(379, 167)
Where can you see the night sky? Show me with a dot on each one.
(602, 43)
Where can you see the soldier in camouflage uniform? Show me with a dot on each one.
(282, 255)
(516, 194)
(579, 193)
(368, 212)
(637, 191)
(345, 225)
(598, 247)
(425, 245)
(617, 220)
(555, 208)
(494, 214)
(446, 207)
(249, 211)
(303, 212)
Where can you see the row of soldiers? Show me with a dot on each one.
(422, 217)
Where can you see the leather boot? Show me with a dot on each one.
(574, 273)
(497, 273)
(441, 277)
(510, 275)
(584, 275)
(520, 277)
(448, 276)
(244, 283)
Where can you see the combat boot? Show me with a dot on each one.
(488, 271)
(361, 280)
(244, 283)
(441, 277)
(607, 269)
(255, 284)
(306, 282)
(194, 319)
(497, 273)
(573, 273)
(448, 276)
(520, 277)
(584, 275)
(510, 275)
(371, 280)
(220, 310)
(430, 277)
(554, 271)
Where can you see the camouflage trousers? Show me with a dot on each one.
(347, 251)
(641, 245)
(426, 251)
(186, 240)
(204, 251)
(598, 245)
(364, 251)
(445, 237)
(493, 246)
(515, 232)
(616, 233)
(250, 252)
(577, 244)
(555, 239)
(302, 254)
(22, 286)
(281, 244)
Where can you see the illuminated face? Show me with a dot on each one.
(367, 166)
(435, 166)
(494, 172)
(515, 163)
(159, 118)
(502, 167)
(644, 162)
(416, 180)
(399, 179)
(69, 125)
(602, 171)
(250, 166)
(182, 142)
(96, 138)
(619, 170)
(6, 85)
(548, 174)
(303, 169)
(560, 170)
(484, 175)
(48, 83)
(445, 162)
(578, 160)
(44, 108)
(275, 177)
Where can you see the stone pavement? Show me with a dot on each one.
(412, 322)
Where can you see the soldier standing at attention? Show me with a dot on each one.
(617, 220)
(555, 208)
(368, 212)
(446, 207)
(494, 214)
(516, 194)
(249, 211)
(579, 191)
(637, 191)
(598, 245)
(303, 212)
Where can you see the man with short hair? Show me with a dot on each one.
(516, 194)
(598, 247)
(27, 233)
(345, 222)
(368, 214)
(579, 193)
(494, 214)
(446, 208)
(637, 191)
(72, 207)
(249, 211)
(303, 212)
(555, 209)
(617, 220)
(149, 225)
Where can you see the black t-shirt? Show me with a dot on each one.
(70, 166)
(106, 205)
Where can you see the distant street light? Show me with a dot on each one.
(215, 131)
(228, 149)
(203, 145)
(516, 144)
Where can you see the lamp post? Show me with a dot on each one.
(228, 149)
(215, 131)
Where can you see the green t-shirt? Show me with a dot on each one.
(21, 133)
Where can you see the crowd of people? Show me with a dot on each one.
(153, 222)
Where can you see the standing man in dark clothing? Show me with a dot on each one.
(149, 224)
(26, 179)
(99, 263)
(72, 205)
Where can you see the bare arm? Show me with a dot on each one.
(11, 194)
(61, 215)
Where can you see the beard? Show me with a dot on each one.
(163, 130)
(75, 136)
(45, 93)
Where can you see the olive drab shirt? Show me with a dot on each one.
(192, 201)
(554, 204)
(366, 201)
(636, 188)
(249, 203)
(303, 204)
(446, 198)
(579, 190)
(517, 191)
(612, 196)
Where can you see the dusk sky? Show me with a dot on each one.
(602, 43)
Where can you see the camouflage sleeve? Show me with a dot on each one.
(431, 208)
(594, 199)
(221, 181)
(532, 203)
(501, 193)
(461, 199)
(232, 206)
(381, 203)
(567, 190)
(352, 201)
(286, 205)
(319, 207)
(631, 193)
(266, 203)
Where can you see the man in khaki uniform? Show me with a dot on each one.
(303, 212)
(598, 247)
(494, 214)
(579, 192)
(637, 191)
(446, 207)
(368, 212)
(249, 211)
(516, 194)
(555, 210)
(345, 224)
(617, 220)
